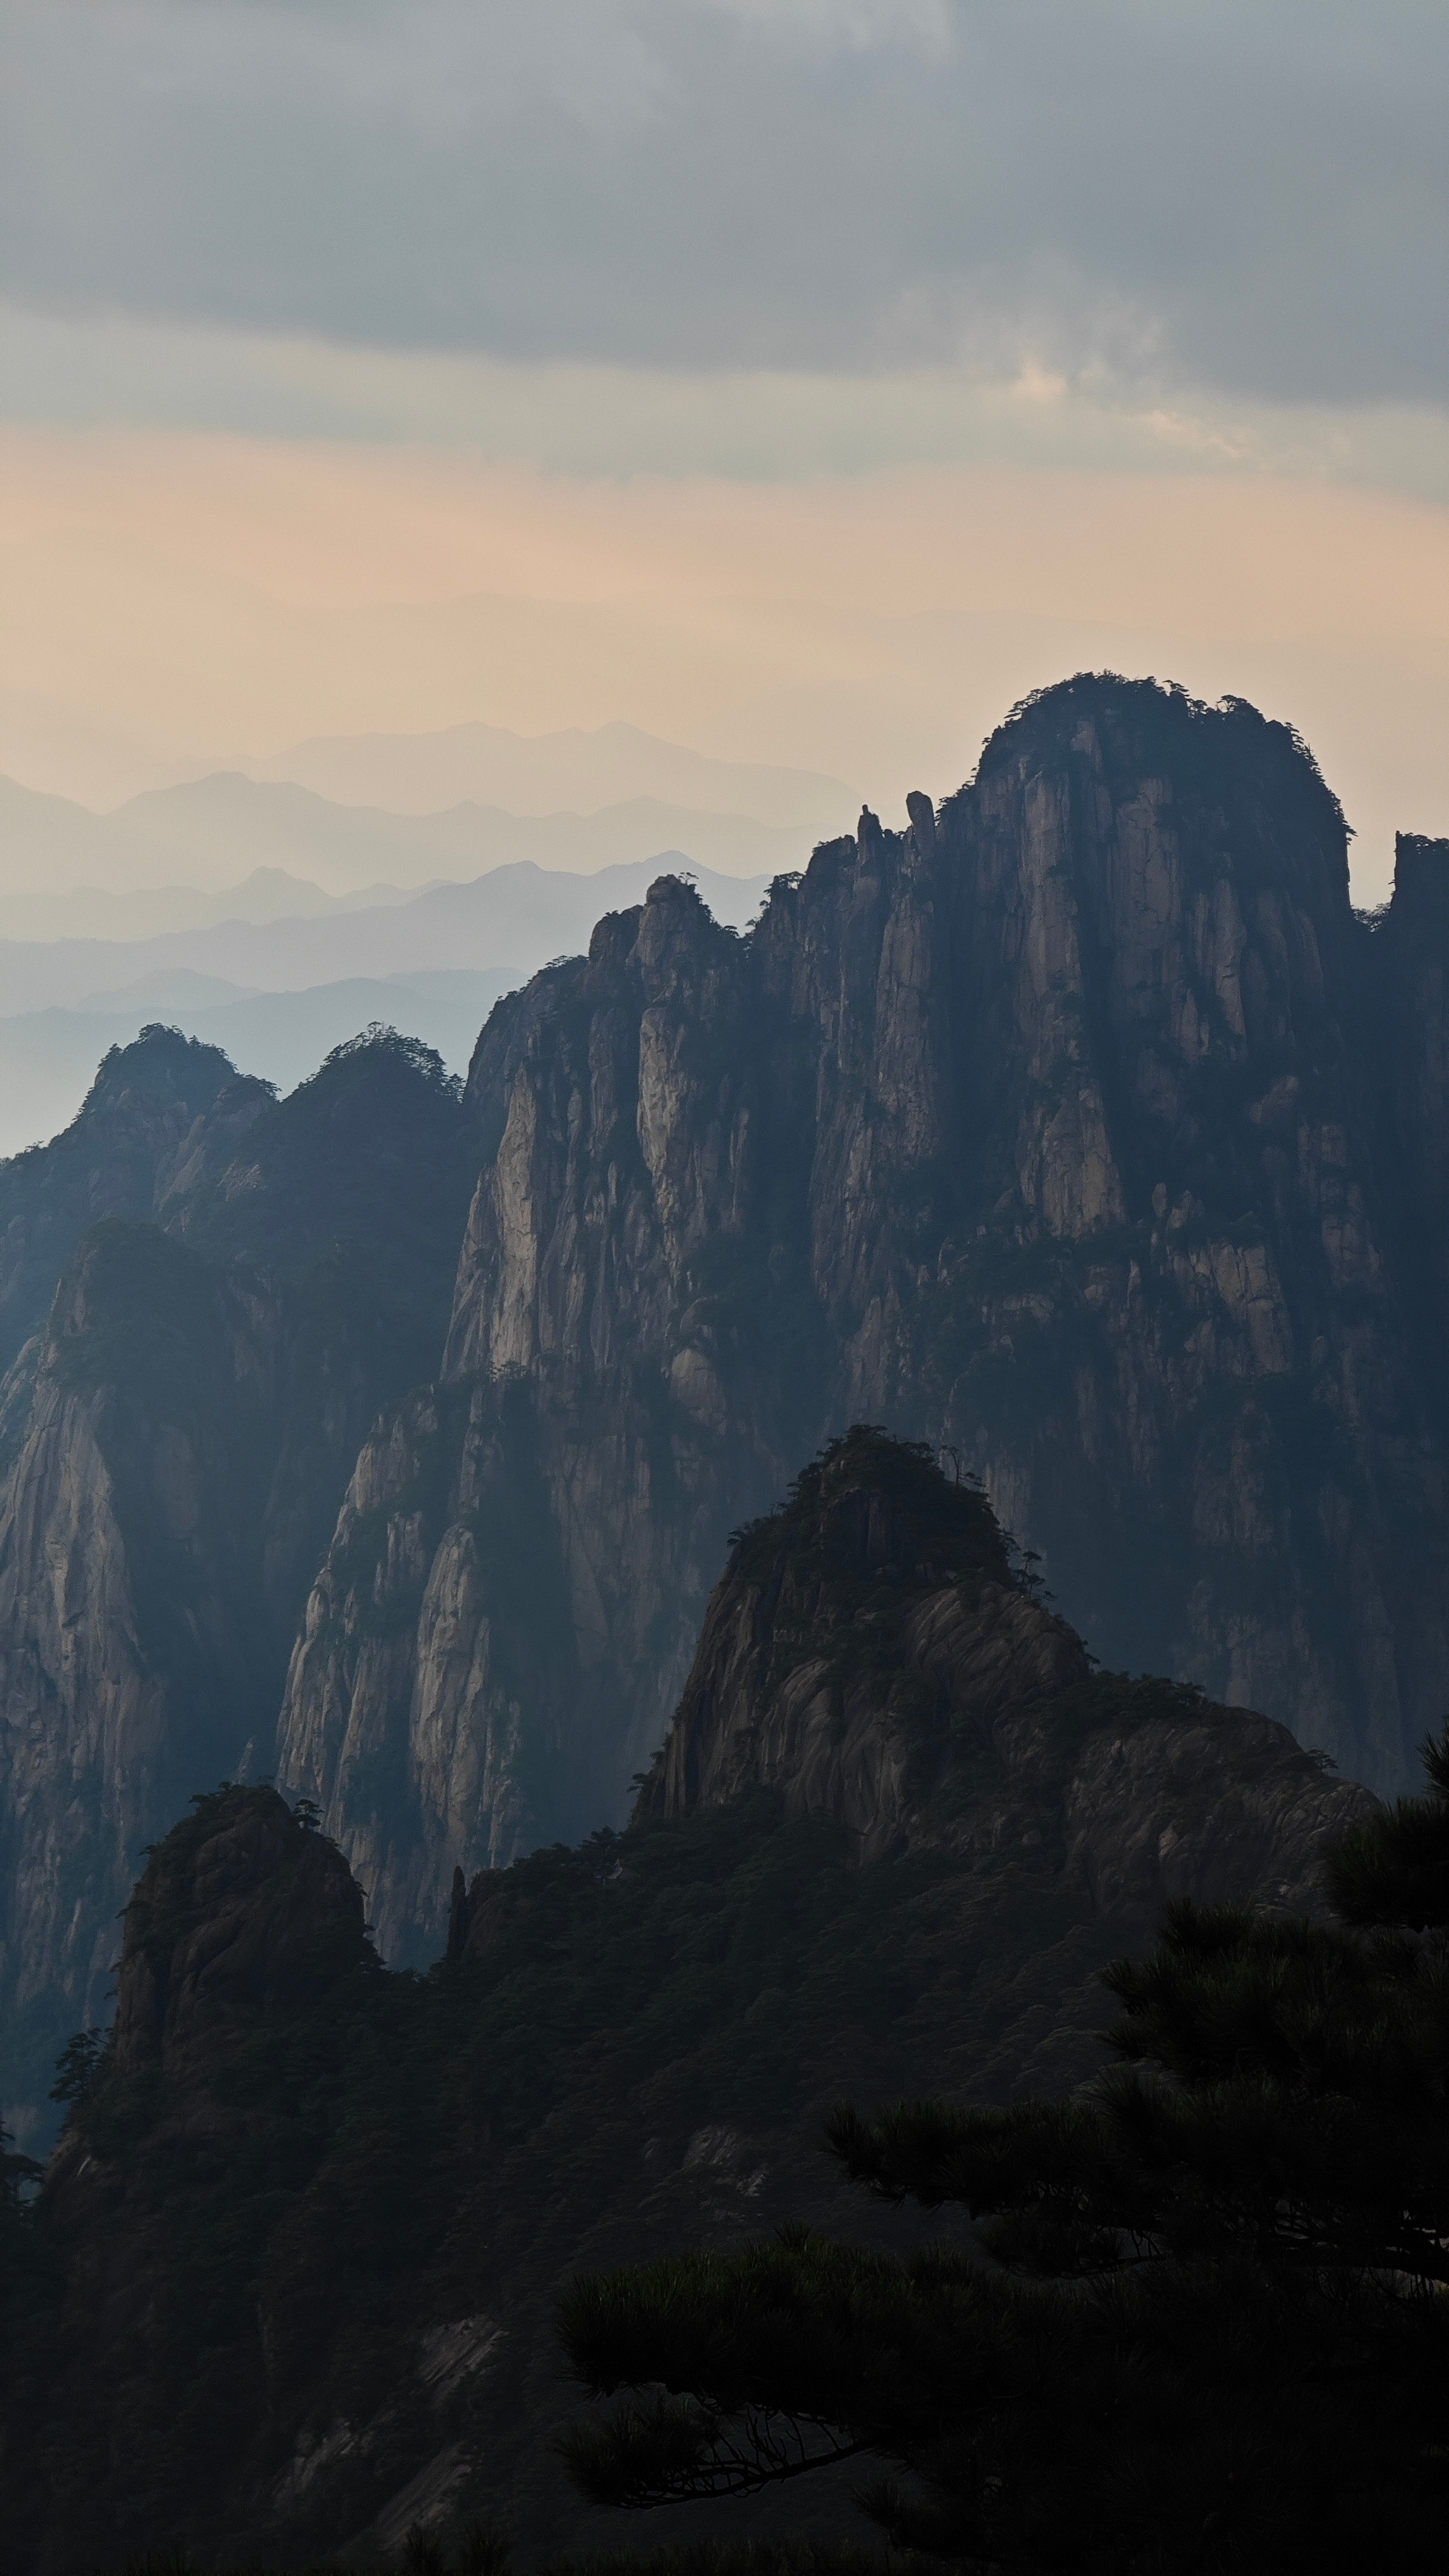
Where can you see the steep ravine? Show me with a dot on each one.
(1079, 1127)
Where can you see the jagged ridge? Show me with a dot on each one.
(341, 2199)
(1082, 1128)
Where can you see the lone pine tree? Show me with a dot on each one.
(1202, 2323)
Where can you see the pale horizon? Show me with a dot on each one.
(802, 385)
(179, 604)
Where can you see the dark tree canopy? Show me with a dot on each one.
(1203, 2321)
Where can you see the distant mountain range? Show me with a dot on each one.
(219, 830)
(279, 905)
(516, 916)
(143, 912)
(423, 773)
(356, 815)
(48, 1058)
(278, 993)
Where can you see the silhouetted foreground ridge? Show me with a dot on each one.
(288, 2287)
(1214, 2332)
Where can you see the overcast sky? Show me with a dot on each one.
(1243, 196)
(1165, 243)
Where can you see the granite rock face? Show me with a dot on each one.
(125, 1655)
(872, 1653)
(500, 1630)
(436, 1675)
(1411, 1019)
(174, 1445)
(1081, 1128)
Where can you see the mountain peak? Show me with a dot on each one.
(877, 1652)
(241, 1910)
(1223, 752)
(162, 1065)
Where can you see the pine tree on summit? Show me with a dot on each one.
(1211, 2330)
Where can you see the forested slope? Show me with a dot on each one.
(299, 2246)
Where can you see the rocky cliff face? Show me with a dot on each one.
(179, 1437)
(128, 1658)
(1411, 1025)
(502, 1624)
(1052, 1129)
(436, 1682)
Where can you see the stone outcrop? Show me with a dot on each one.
(1053, 1128)
(244, 1912)
(872, 1654)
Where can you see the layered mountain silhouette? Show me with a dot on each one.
(283, 972)
(898, 1825)
(389, 1441)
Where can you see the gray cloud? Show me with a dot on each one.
(1244, 197)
